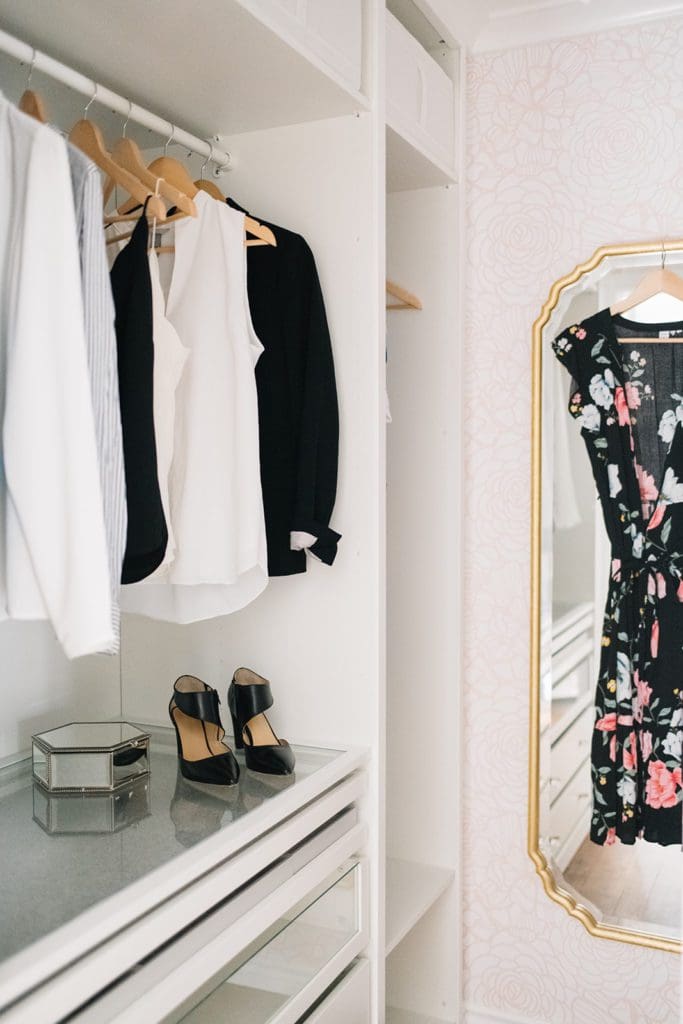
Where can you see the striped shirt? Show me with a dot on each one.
(98, 308)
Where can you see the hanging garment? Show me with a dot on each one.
(628, 400)
(297, 398)
(170, 357)
(216, 507)
(53, 548)
(100, 337)
(147, 534)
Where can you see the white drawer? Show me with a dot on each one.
(349, 1000)
(263, 957)
(420, 95)
(569, 751)
(331, 30)
(571, 805)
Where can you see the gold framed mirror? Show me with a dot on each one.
(567, 626)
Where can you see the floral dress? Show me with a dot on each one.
(628, 399)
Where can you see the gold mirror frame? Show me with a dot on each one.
(543, 868)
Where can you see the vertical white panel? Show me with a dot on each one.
(423, 568)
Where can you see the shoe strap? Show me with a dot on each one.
(252, 699)
(202, 704)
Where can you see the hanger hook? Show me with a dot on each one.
(90, 102)
(125, 123)
(208, 160)
(170, 139)
(30, 70)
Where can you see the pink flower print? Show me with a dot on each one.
(645, 745)
(679, 592)
(616, 571)
(608, 723)
(646, 483)
(624, 719)
(632, 395)
(630, 753)
(643, 691)
(613, 747)
(611, 837)
(654, 638)
(660, 790)
(657, 516)
(580, 333)
(656, 585)
(623, 410)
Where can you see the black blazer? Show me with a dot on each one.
(297, 399)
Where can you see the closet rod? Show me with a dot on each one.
(119, 104)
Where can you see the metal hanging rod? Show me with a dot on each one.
(39, 61)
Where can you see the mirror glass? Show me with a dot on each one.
(601, 784)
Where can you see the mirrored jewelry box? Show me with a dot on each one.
(90, 757)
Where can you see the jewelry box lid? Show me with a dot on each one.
(77, 737)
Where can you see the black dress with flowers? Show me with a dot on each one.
(628, 399)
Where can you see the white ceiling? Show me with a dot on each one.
(498, 24)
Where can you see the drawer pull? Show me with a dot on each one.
(553, 840)
(582, 796)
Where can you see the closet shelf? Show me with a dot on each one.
(409, 167)
(245, 64)
(395, 1016)
(411, 889)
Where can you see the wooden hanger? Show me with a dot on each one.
(87, 137)
(127, 153)
(406, 299)
(32, 104)
(171, 170)
(657, 281)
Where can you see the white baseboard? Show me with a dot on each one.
(481, 1015)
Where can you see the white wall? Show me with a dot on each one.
(584, 158)
(316, 635)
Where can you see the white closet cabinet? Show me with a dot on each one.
(286, 909)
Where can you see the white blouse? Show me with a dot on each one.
(216, 506)
(53, 550)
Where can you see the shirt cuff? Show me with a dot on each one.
(317, 539)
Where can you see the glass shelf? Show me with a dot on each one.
(64, 854)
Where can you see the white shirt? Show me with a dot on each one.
(53, 549)
(216, 505)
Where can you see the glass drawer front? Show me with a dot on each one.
(270, 972)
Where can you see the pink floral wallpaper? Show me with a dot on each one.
(571, 145)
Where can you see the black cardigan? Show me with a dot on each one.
(297, 400)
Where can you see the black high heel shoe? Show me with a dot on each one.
(202, 754)
(249, 696)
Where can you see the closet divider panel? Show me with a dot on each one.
(423, 566)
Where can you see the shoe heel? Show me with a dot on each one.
(237, 733)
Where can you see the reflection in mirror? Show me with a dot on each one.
(610, 686)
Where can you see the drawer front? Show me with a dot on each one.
(349, 1000)
(255, 958)
(569, 751)
(569, 807)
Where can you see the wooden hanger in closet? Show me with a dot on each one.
(657, 281)
(127, 153)
(87, 137)
(406, 299)
(173, 171)
(31, 103)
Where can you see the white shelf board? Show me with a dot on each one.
(395, 1016)
(218, 69)
(409, 167)
(411, 889)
